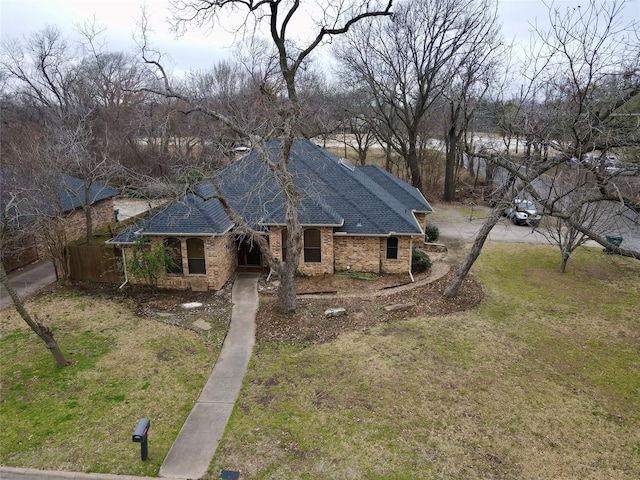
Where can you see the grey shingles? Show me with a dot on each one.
(360, 201)
(72, 195)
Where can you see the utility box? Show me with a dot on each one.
(615, 240)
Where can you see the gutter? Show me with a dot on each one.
(413, 280)
(124, 264)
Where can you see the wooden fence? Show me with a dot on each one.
(94, 264)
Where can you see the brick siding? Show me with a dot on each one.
(360, 253)
(220, 263)
(75, 222)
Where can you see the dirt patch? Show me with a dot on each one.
(364, 301)
(210, 319)
(308, 325)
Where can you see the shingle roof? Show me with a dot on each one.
(190, 216)
(46, 193)
(354, 200)
(71, 193)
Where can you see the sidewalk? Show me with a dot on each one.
(196, 444)
(193, 449)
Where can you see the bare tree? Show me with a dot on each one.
(279, 93)
(571, 107)
(17, 221)
(469, 84)
(406, 65)
(50, 75)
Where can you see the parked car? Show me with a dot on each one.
(523, 212)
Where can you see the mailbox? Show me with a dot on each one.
(140, 436)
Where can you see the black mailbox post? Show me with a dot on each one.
(140, 436)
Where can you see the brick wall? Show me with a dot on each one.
(400, 265)
(222, 260)
(75, 224)
(326, 255)
(421, 218)
(360, 254)
(275, 241)
(220, 263)
(312, 268)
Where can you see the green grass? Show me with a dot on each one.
(541, 381)
(81, 417)
(358, 275)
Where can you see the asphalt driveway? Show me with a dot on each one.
(29, 280)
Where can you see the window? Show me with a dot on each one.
(312, 245)
(392, 248)
(195, 254)
(283, 243)
(173, 259)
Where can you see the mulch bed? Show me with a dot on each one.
(308, 325)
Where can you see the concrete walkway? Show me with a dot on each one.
(198, 440)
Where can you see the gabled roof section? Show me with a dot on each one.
(406, 194)
(71, 194)
(367, 207)
(192, 215)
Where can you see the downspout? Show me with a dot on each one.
(124, 265)
(413, 280)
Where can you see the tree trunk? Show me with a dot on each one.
(414, 168)
(565, 259)
(455, 283)
(287, 299)
(450, 172)
(387, 152)
(41, 330)
(87, 212)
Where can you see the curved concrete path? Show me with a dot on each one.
(196, 443)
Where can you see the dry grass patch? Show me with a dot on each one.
(540, 381)
(125, 366)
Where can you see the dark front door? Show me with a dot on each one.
(249, 255)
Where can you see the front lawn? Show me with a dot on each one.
(540, 381)
(129, 362)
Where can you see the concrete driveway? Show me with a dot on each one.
(463, 223)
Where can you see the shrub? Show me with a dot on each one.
(431, 233)
(420, 261)
(149, 263)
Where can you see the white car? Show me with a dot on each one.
(523, 212)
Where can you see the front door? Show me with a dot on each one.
(249, 255)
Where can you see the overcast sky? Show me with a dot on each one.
(199, 50)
